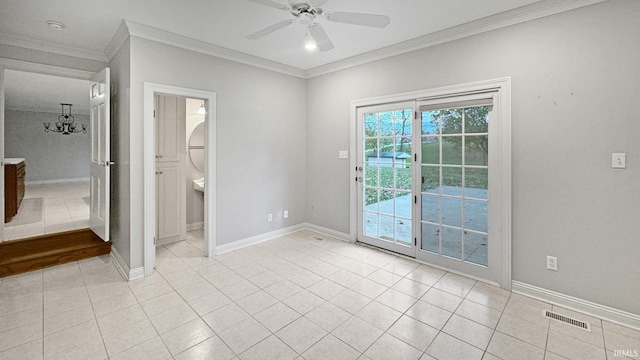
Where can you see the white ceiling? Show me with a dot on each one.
(91, 24)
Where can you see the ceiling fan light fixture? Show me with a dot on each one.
(310, 45)
(56, 25)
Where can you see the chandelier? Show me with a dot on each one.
(65, 124)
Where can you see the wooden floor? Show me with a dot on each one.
(19, 256)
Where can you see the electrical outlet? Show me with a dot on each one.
(552, 263)
(286, 214)
(269, 217)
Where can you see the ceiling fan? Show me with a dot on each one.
(306, 13)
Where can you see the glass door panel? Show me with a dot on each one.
(454, 184)
(385, 180)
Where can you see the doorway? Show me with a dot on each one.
(208, 99)
(55, 191)
(432, 177)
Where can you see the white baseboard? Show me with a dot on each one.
(586, 307)
(123, 268)
(195, 226)
(239, 244)
(326, 231)
(55, 181)
(174, 239)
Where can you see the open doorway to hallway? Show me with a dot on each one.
(46, 170)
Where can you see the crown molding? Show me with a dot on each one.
(32, 44)
(508, 18)
(129, 28)
(184, 42)
(121, 36)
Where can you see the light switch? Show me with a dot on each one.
(343, 154)
(619, 161)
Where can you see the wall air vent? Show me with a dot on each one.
(565, 319)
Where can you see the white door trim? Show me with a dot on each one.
(503, 88)
(149, 206)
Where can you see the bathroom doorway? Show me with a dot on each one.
(155, 164)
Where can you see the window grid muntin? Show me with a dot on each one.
(394, 164)
(440, 138)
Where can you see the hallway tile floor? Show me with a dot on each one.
(295, 297)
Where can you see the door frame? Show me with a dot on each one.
(503, 87)
(149, 152)
(19, 65)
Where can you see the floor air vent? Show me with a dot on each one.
(565, 319)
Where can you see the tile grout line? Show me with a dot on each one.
(93, 310)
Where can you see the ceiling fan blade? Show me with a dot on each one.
(378, 21)
(318, 3)
(320, 37)
(270, 3)
(269, 29)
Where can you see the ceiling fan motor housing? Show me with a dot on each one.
(303, 10)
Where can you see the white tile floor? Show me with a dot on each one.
(50, 208)
(294, 297)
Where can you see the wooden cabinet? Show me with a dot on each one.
(13, 188)
(170, 158)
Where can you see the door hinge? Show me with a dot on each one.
(415, 199)
(415, 241)
(415, 115)
(154, 240)
(415, 157)
(154, 114)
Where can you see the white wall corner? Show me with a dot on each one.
(572, 303)
(123, 268)
(121, 35)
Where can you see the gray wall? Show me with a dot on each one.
(120, 189)
(574, 98)
(49, 156)
(260, 140)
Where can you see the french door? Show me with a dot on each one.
(385, 177)
(426, 181)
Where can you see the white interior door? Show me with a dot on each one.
(100, 153)
(385, 177)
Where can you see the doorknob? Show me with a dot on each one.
(359, 179)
